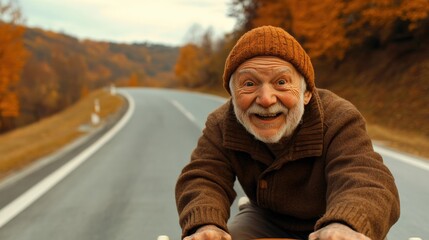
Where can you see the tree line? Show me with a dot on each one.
(12, 58)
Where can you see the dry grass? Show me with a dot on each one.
(389, 86)
(405, 141)
(25, 145)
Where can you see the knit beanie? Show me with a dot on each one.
(269, 41)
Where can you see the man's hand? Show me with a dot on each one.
(209, 232)
(336, 231)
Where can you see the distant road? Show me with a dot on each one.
(122, 187)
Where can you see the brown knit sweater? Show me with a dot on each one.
(327, 172)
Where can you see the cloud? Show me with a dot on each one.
(128, 20)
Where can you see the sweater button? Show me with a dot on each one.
(263, 184)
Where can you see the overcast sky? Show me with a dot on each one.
(154, 21)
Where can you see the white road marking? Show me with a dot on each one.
(26, 199)
(165, 237)
(185, 112)
(403, 158)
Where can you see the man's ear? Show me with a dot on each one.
(307, 97)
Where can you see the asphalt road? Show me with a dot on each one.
(124, 187)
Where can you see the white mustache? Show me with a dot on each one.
(274, 109)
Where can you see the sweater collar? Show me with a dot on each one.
(307, 140)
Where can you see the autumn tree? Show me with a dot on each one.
(38, 90)
(208, 65)
(201, 62)
(71, 69)
(134, 80)
(244, 11)
(188, 65)
(12, 59)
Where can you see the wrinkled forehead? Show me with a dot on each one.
(263, 64)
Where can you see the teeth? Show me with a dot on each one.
(268, 115)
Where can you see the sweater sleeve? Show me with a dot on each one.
(204, 190)
(361, 191)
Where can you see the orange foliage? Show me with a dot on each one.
(12, 58)
(84, 91)
(331, 28)
(133, 81)
(188, 65)
(273, 12)
(38, 90)
(201, 62)
(315, 24)
(416, 12)
(9, 105)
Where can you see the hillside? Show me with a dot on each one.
(62, 69)
(390, 86)
(146, 59)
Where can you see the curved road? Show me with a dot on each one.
(124, 187)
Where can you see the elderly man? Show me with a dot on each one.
(301, 155)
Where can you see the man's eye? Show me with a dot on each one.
(249, 84)
(281, 82)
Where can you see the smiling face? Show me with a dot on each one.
(268, 96)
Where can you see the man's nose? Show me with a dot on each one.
(266, 96)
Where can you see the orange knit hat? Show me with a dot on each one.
(269, 41)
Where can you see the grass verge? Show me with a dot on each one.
(21, 147)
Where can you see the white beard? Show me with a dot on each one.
(293, 118)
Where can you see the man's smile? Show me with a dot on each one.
(268, 116)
